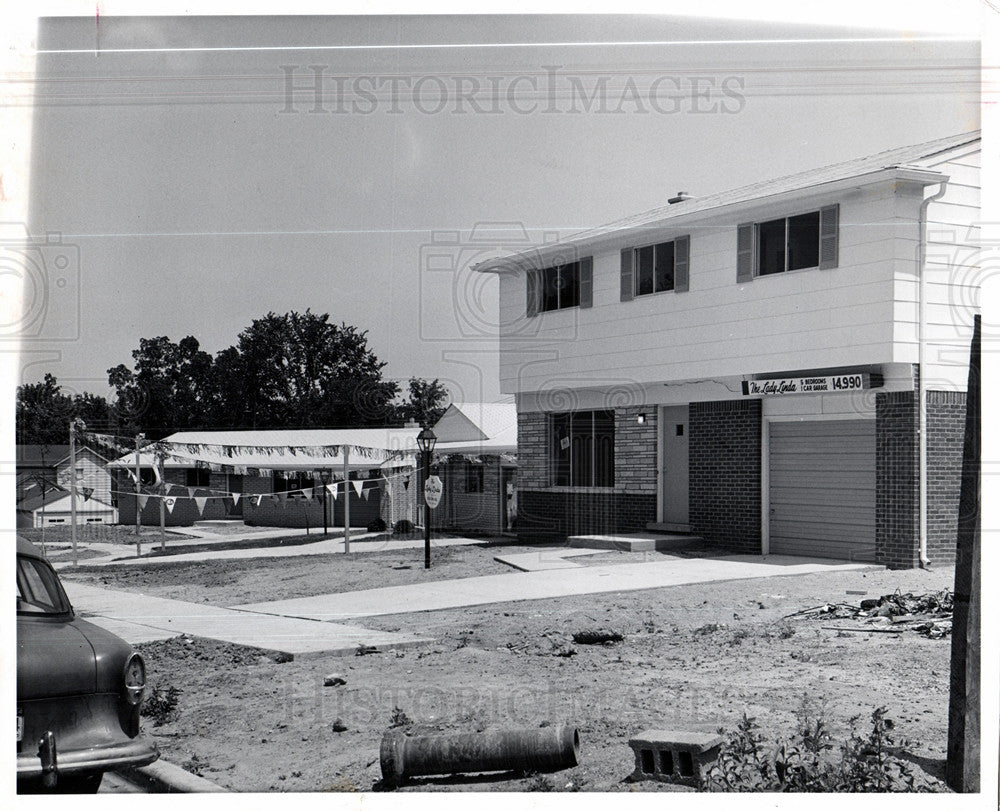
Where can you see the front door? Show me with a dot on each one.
(675, 466)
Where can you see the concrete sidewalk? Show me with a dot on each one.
(548, 583)
(359, 543)
(139, 618)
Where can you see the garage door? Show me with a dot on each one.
(823, 489)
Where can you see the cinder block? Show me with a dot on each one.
(674, 755)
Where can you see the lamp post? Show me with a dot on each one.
(426, 441)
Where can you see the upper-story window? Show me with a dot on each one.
(655, 268)
(561, 286)
(796, 242)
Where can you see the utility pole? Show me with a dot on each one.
(72, 486)
(138, 491)
(163, 485)
(347, 499)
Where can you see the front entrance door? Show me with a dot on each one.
(675, 466)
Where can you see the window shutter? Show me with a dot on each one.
(828, 236)
(587, 281)
(628, 274)
(744, 252)
(532, 308)
(682, 250)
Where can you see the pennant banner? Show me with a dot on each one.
(142, 502)
(333, 490)
(236, 498)
(307, 493)
(365, 494)
(87, 492)
(170, 503)
(358, 485)
(200, 501)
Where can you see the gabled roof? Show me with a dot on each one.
(477, 428)
(900, 158)
(58, 501)
(31, 455)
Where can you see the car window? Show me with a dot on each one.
(38, 589)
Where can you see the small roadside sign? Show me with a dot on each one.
(432, 491)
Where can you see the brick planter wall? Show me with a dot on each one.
(945, 437)
(724, 467)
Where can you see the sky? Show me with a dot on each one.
(193, 192)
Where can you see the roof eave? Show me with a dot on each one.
(617, 238)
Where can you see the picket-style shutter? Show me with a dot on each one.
(587, 281)
(682, 251)
(744, 252)
(829, 218)
(628, 274)
(532, 307)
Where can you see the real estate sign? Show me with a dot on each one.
(432, 491)
(833, 384)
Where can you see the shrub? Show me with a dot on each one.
(161, 705)
(403, 527)
(802, 764)
(378, 525)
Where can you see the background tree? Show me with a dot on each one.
(428, 401)
(43, 413)
(168, 390)
(299, 370)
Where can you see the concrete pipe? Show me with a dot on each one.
(538, 749)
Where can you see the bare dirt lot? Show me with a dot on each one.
(694, 657)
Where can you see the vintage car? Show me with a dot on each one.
(79, 689)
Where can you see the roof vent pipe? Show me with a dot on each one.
(679, 198)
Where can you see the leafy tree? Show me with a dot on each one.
(43, 413)
(428, 401)
(299, 370)
(168, 389)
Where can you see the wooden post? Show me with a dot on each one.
(163, 500)
(347, 499)
(72, 487)
(962, 770)
(138, 491)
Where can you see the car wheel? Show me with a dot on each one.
(80, 783)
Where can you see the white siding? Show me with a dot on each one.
(804, 319)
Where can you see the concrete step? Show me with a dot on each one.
(634, 541)
(666, 526)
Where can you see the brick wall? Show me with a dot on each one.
(546, 515)
(532, 450)
(945, 437)
(724, 465)
(635, 451)
(897, 494)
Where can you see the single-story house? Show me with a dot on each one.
(477, 461)
(285, 478)
(51, 464)
(54, 508)
(777, 368)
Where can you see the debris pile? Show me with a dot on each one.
(928, 614)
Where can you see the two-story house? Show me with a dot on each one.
(778, 369)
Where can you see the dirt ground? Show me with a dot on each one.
(693, 657)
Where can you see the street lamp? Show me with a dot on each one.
(426, 441)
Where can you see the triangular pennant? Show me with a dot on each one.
(333, 490)
(191, 490)
(307, 493)
(358, 486)
(87, 492)
(170, 503)
(258, 500)
(282, 499)
(142, 502)
(406, 483)
(366, 493)
(200, 501)
(235, 497)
